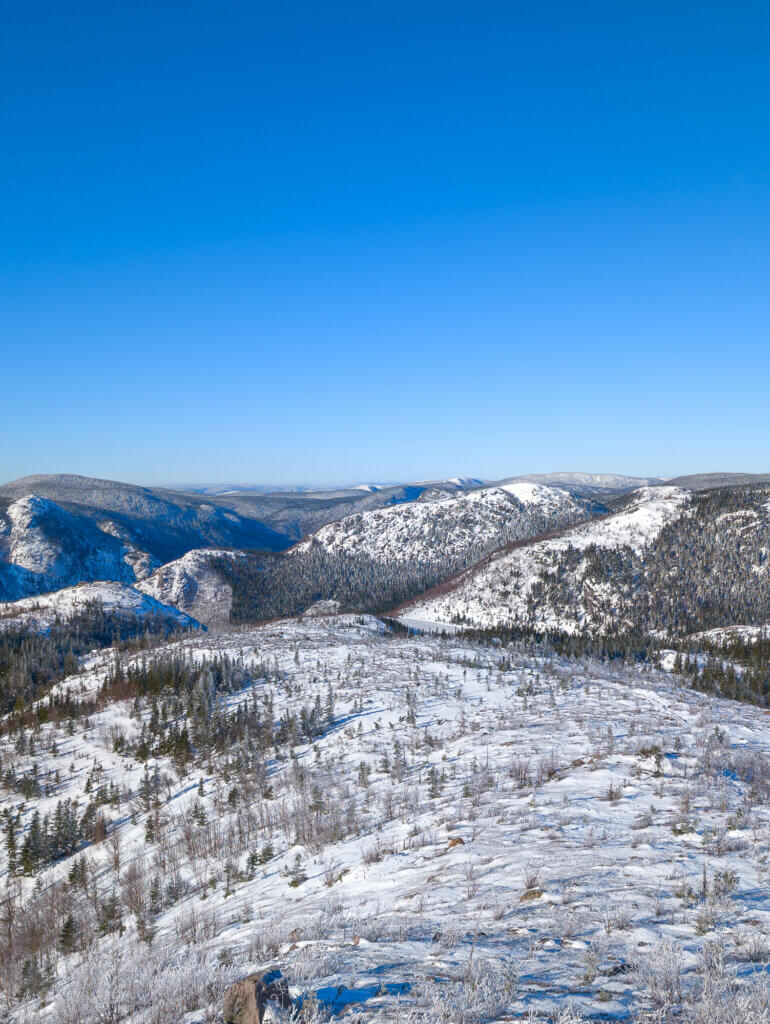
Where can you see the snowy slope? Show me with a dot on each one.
(501, 592)
(448, 528)
(470, 834)
(444, 534)
(43, 547)
(102, 530)
(593, 485)
(722, 637)
(193, 584)
(39, 613)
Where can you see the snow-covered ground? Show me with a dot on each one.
(498, 592)
(729, 634)
(474, 833)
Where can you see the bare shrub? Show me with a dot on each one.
(313, 962)
(727, 1003)
(533, 878)
(484, 993)
(197, 924)
(471, 879)
(118, 980)
(660, 972)
(753, 946)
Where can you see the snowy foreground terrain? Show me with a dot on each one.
(456, 833)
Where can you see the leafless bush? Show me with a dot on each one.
(314, 962)
(393, 928)
(749, 765)
(533, 878)
(197, 924)
(268, 940)
(450, 936)
(617, 918)
(375, 852)
(753, 946)
(117, 980)
(660, 972)
(724, 1001)
(471, 879)
(521, 772)
(484, 993)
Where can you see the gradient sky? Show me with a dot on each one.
(355, 241)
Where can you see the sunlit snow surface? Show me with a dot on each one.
(417, 530)
(589, 801)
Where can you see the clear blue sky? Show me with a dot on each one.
(383, 240)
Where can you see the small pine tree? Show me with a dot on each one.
(156, 897)
(10, 838)
(329, 706)
(68, 935)
(296, 875)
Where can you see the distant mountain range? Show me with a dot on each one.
(569, 551)
(371, 556)
(56, 531)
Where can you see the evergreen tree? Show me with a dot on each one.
(68, 935)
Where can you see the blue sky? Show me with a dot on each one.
(344, 241)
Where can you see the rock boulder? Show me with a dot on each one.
(245, 1001)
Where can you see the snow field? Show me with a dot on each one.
(483, 833)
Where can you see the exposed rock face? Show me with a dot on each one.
(245, 1001)
(193, 584)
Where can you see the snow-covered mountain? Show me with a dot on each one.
(601, 486)
(507, 590)
(667, 561)
(125, 604)
(59, 531)
(446, 529)
(368, 559)
(44, 547)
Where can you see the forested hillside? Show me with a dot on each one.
(692, 561)
(368, 561)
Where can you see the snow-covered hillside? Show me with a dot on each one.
(193, 584)
(368, 560)
(416, 831)
(44, 547)
(723, 636)
(593, 485)
(102, 530)
(503, 591)
(446, 529)
(116, 599)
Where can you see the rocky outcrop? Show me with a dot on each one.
(246, 1000)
